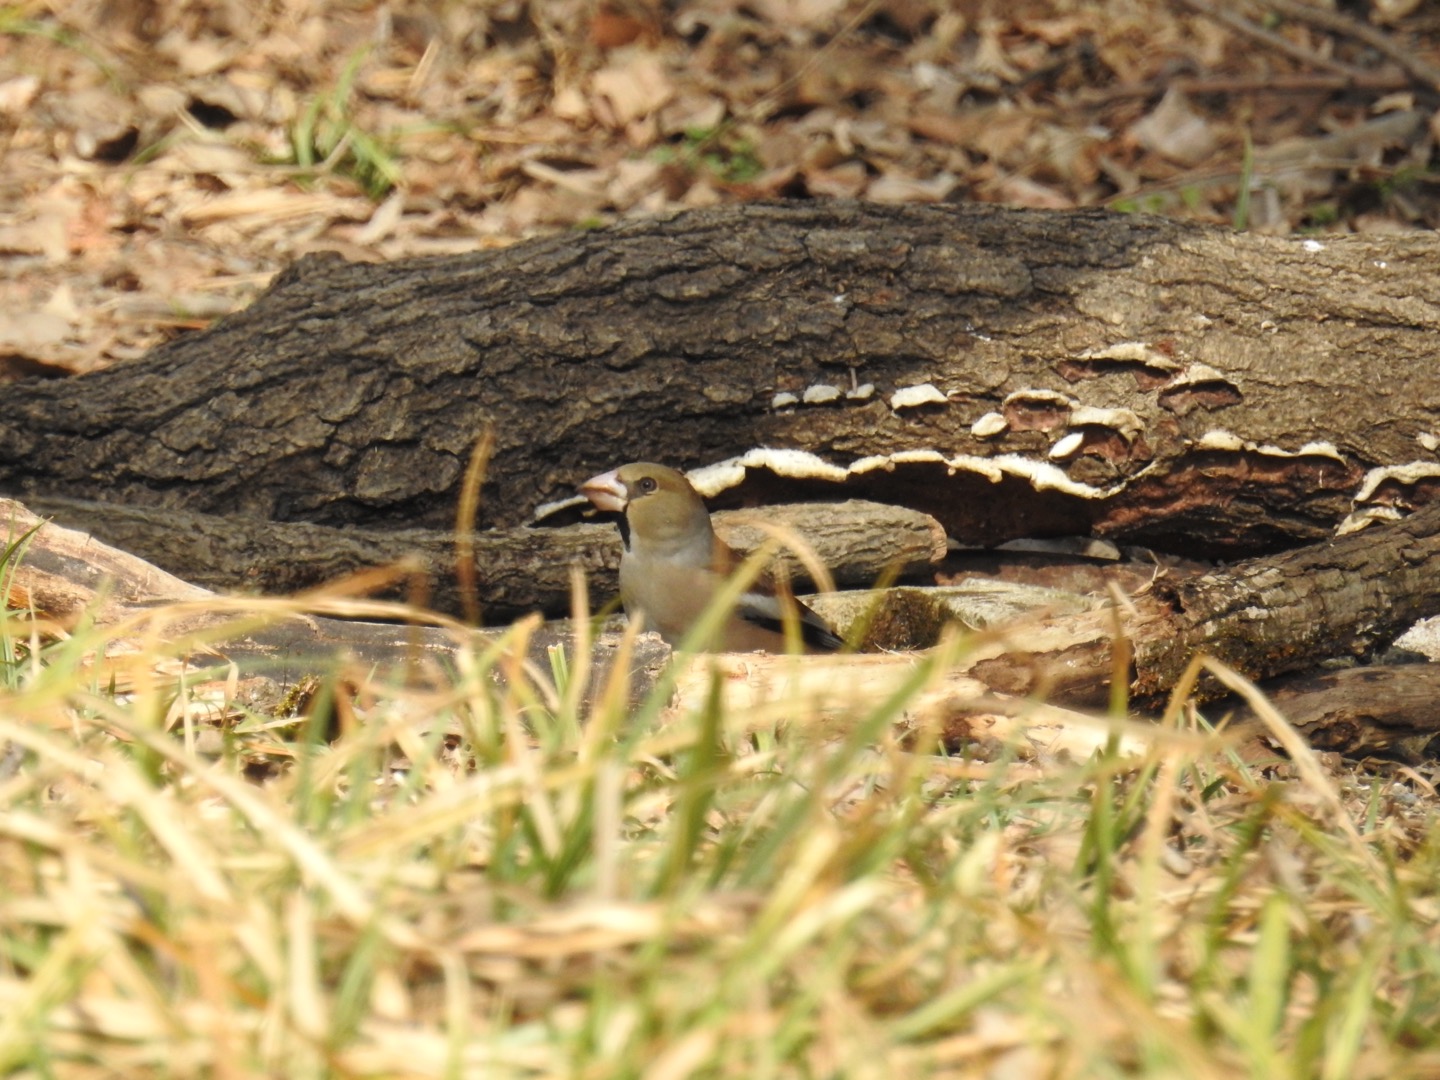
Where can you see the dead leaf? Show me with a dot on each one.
(17, 94)
(800, 13)
(630, 89)
(31, 333)
(845, 181)
(903, 189)
(1176, 131)
(1022, 191)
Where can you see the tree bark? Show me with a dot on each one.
(1382, 709)
(66, 579)
(516, 570)
(1191, 389)
(1265, 617)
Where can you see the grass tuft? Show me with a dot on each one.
(506, 870)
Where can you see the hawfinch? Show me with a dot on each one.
(674, 563)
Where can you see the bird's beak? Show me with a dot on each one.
(606, 492)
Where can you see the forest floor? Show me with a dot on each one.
(462, 878)
(160, 162)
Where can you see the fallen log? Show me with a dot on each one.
(1264, 617)
(1012, 373)
(516, 570)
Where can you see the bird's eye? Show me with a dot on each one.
(647, 485)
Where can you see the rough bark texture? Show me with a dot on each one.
(1108, 348)
(65, 578)
(1266, 617)
(517, 570)
(1384, 710)
(1339, 598)
(1012, 373)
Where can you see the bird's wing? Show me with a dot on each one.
(767, 604)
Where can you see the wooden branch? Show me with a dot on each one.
(1267, 617)
(518, 569)
(1404, 55)
(1386, 710)
(1264, 617)
(1269, 39)
(66, 577)
(1015, 374)
(825, 697)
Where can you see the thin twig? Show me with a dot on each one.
(1242, 25)
(1301, 82)
(1378, 40)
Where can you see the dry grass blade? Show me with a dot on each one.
(469, 875)
(466, 514)
(1299, 752)
(791, 541)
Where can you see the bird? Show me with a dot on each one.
(673, 565)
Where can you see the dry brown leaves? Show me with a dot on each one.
(161, 161)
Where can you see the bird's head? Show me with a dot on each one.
(661, 508)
